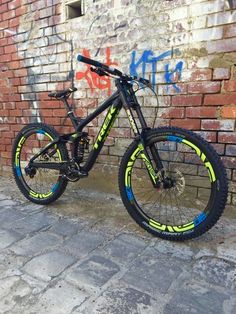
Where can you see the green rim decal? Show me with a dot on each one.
(40, 195)
(207, 163)
(167, 228)
(18, 149)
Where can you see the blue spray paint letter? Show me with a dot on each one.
(149, 58)
(170, 75)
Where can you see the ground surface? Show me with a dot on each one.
(84, 254)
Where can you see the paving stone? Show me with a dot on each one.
(125, 247)
(36, 244)
(83, 243)
(151, 273)
(65, 227)
(9, 217)
(48, 265)
(8, 237)
(121, 300)
(178, 250)
(60, 299)
(34, 223)
(94, 272)
(12, 291)
(3, 196)
(216, 271)
(7, 202)
(196, 299)
(227, 249)
(10, 264)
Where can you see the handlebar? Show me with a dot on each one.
(112, 70)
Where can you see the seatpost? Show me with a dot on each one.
(70, 112)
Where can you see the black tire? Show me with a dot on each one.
(45, 185)
(195, 194)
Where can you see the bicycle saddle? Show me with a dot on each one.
(63, 93)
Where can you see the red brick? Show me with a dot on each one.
(15, 81)
(52, 121)
(13, 4)
(121, 132)
(208, 136)
(16, 113)
(187, 100)
(22, 105)
(46, 112)
(4, 24)
(227, 137)
(54, 104)
(204, 87)
(228, 112)
(220, 148)
(229, 31)
(6, 58)
(201, 112)
(201, 75)
(172, 113)
(4, 113)
(218, 46)
(21, 72)
(3, 8)
(3, 42)
(229, 162)
(220, 99)
(8, 15)
(229, 86)
(21, 11)
(14, 65)
(190, 124)
(221, 74)
(14, 22)
(221, 125)
(230, 150)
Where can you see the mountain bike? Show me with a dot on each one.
(171, 181)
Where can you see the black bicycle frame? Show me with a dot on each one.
(123, 97)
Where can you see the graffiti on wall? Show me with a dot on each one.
(93, 80)
(147, 63)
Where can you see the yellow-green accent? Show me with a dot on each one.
(18, 149)
(210, 171)
(131, 120)
(40, 195)
(168, 228)
(129, 167)
(148, 164)
(203, 158)
(106, 127)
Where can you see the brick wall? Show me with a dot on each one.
(187, 49)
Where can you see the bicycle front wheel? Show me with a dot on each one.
(191, 191)
(41, 186)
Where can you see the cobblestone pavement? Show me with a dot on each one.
(84, 254)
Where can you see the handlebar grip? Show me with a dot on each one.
(89, 61)
(144, 81)
(97, 64)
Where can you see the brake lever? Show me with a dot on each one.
(99, 71)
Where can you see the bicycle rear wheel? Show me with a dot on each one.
(192, 195)
(41, 186)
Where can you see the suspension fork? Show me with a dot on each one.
(129, 100)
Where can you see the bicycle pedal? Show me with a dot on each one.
(82, 174)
